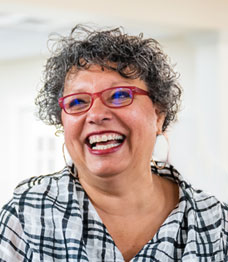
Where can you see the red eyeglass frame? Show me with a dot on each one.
(135, 91)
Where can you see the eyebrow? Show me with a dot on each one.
(83, 90)
(73, 91)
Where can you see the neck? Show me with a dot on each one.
(124, 194)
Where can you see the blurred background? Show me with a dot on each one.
(193, 33)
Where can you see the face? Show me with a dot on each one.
(130, 131)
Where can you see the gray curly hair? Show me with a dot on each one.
(133, 57)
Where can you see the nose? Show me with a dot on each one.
(98, 113)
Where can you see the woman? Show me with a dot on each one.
(112, 94)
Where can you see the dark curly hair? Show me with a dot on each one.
(130, 56)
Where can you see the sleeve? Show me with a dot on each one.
(13, 244)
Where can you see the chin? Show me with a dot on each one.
(106, 170)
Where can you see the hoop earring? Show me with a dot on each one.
(67, 165)
(161, 151)
(59, 132)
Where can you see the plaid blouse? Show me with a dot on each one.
(51, 219)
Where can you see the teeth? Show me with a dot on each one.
(104, 138)
(103, 147)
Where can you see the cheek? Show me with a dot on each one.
(142, 126)
(146, 118)
(72, 127)
(72, 132)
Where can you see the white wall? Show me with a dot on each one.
(198, 141)
(28, 147)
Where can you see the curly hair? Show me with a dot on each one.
(131, 56)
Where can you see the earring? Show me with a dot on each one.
(65, 160)
(161, 151)
(59, 132)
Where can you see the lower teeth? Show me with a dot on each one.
(103, 147)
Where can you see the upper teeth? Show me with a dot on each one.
(103, 138)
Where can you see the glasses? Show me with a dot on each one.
(114, 97)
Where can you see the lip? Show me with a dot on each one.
(105, 151)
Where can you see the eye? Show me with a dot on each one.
(76, 102)
(118, 97)
(121, 95)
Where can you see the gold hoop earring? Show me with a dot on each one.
(68, 166)
(59, 132)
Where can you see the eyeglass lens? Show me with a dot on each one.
(117, 97)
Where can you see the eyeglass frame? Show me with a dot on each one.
(134, 91)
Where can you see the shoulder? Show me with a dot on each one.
(198, 199)
(207, 216)
(204, 203)
(36, 186)
(51, 184)
(203, 210)
(41, 193)
(39, 181)
(208, 209)
(209, 219)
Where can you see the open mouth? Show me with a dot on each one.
(104, 141)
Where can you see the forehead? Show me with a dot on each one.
(94, 79)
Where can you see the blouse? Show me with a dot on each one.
(50, 218)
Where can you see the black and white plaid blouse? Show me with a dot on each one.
(51, 219)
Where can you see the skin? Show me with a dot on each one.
(131, 202)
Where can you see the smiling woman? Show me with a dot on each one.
(112, 95)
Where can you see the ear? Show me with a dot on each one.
(160, 120)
